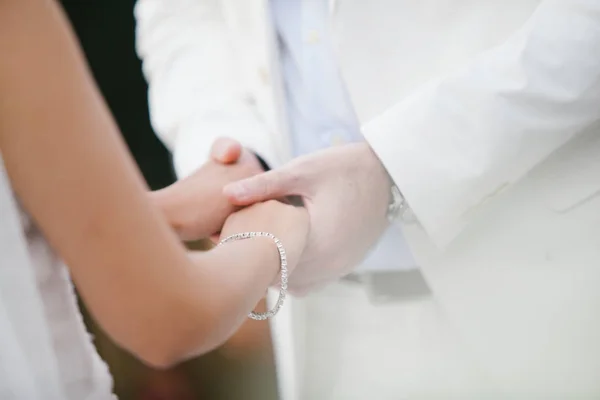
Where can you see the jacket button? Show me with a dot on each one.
(337, 140)
(313, 37)
(263, 74)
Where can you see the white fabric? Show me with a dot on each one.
(462, 138)
(318, 107)
(317, 104)
(485, 113)
(45, 351)
(198, 89)
(398, 351)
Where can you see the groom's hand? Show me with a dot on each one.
(195, 206)
(346, 191)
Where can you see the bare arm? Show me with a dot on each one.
(73, 174)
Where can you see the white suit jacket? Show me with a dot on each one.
(485, 113)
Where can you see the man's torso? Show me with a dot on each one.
(532, 258)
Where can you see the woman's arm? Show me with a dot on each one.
(73, 174)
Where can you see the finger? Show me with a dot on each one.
(225, 151)
(271, 185)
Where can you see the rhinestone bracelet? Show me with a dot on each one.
(283, 266)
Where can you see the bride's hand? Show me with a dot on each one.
(288, 223)
(195, 206)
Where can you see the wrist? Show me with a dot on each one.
(258, 249)
(164, 202)
(186, 212)
(383, 184)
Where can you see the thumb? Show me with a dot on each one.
(225, 150)
(270, 185)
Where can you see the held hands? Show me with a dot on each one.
(288, 223)
(345, 190)
(195, 206)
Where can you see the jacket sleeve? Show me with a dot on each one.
(195, 93)
(460, 140)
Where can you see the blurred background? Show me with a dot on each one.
(243, 368)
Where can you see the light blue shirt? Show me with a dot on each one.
(319, 109)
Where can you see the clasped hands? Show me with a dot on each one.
(345, 192)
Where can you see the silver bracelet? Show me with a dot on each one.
(283, 266)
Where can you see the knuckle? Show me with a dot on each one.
(292, 176)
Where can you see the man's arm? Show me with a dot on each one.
(195, 92)
(451, 146)
(463, 139)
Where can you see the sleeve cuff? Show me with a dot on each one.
(262, 162)
(417, 168)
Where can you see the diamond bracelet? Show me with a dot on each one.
(283, 266)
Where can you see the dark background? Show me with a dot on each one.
(106, 31)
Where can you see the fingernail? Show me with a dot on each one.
(220, 150)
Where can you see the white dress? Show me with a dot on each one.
(45, 350)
